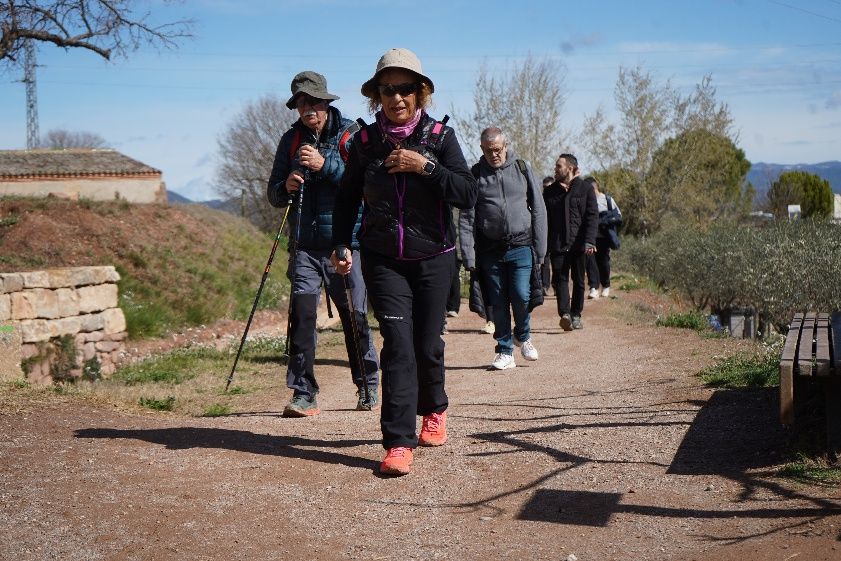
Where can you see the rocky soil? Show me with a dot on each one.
(607, 448)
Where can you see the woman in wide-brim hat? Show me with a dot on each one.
(410, 171)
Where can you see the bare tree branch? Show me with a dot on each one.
(105, 27)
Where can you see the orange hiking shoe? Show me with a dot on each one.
(397, 461)
(434, 430)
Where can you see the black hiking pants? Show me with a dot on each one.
(408, 299)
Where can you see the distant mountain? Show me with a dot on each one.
(174, 197)
(231, 206)
(762, 175)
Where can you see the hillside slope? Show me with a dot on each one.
(180, 265)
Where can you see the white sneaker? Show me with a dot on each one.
(528, 350)
(594, 294)
(489, 328)
(503, 362)
(606, 292)
(452, 314)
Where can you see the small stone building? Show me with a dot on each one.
(89, 173)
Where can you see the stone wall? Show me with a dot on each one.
(47, 311)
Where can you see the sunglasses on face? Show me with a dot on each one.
(305, 100)
(388, 90)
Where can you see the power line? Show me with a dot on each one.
(798, 8)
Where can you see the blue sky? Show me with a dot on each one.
(777, 64)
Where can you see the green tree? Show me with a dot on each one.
(651, 113)
(813, 194)
(526, 103)
(698, 176)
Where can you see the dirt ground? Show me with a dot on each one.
(607, 448)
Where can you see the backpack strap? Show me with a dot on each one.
(521, 164)
(432, 138)
(343, 140)
(296, 142)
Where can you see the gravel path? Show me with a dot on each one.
(606, 448)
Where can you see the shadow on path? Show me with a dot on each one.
(182, 438)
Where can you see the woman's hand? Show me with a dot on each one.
(405, 161)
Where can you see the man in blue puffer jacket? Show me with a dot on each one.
(308, 166)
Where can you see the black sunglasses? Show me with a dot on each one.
(306, 99)
(388, 90)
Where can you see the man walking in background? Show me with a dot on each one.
(309, 163)
(504, 235)
(573, 220)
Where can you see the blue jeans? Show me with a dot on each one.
(507, 275)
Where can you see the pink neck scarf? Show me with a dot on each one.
(397, 133)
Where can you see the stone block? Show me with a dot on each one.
(10, 282)
(5, 307)
(88, 351)
(35, 303)
(96, 335)
(96, 298)
(68, 326)
(36, 279)
(104, 274)
(69, 277)
(39, 373)
(107, 369)
(68, 302)
(115, 321)
(35, 330)
(120, 336)
(21, 306)
(107, 346)
(92, 322)
(28, 350)
(10, 351)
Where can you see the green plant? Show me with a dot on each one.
(167, 404)
(756, 370)
(811, 470)
(216, 410)
(687, 320)
(174, 367)
(237, 390)
(92, 370)
(10, 220)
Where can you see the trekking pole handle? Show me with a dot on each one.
(341, 253)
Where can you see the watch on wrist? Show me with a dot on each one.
(428, 168)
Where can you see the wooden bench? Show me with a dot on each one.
(812, 351)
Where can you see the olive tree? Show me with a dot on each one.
(247, 148)
(526, 102)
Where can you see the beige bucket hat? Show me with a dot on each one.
(396, 58)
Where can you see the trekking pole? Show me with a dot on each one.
(341, 254)
(293, 256)
(257, 299)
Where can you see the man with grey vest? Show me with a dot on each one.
(308, 166)
(504, 235)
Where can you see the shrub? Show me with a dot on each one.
(757, 370)
(776, 269)
(167, 404)
(688, 320)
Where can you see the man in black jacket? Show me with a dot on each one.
(573, 222)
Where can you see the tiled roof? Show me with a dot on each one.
(77, 162)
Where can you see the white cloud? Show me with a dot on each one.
(834, 101)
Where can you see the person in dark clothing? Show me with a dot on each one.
(598, 264)
(573, 220)
(410, 171)
(308, 165)
(546, 269)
